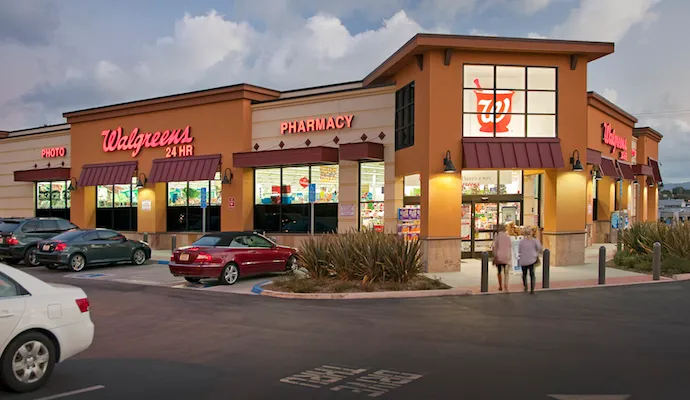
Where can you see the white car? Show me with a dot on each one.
(40, 324)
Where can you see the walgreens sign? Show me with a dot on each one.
(616, 142)
(176, 141)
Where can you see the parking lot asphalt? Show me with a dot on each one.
(159, 342)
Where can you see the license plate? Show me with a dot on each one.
(46, 247)
(184, 257)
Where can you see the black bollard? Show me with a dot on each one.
(656, 262)
(485, 272)
(602, 265)
(546, 272)
(174, 241)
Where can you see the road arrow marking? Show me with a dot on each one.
(590, 396)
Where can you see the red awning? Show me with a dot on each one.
(608, 168)
(365, 151)
(642, 169)
(184, 169)
(655, 169)
(43, 174)
(275, 158)
(593, 157)
(119, 173)
(511, 153)
(626, 170)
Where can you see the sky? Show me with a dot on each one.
(58, 56)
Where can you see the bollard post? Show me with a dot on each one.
(146, 237)
(485, 272)
(602, 265)
(174, 241)
(656, 262)
(546, 272)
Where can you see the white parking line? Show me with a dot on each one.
(66, 394)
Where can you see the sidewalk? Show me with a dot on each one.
(571, 276)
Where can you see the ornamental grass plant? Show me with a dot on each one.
(638, 247)
(364, 257)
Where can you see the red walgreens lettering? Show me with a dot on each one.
(114, 140)
(610, 138)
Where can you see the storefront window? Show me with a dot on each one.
(371, 196)
(479, 182)
(281, 199)
(184, 213)
(491, 182)
(508, 101)
(116, 206)
(52, 199)
(412, 185)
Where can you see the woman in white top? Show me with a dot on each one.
(529, 251)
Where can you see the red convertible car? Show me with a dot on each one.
(229, 255)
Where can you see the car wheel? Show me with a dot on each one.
(28, 362)
(138, 257)
(193, 280)
(77, 262)
(30, 258)
(291, 265)
(51, 266)
(230, 274)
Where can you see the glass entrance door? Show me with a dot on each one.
(480, 219)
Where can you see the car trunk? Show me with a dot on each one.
(7, 228)
(190, 255)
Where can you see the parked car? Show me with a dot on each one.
(18, 236)
(78, 249)
(229, 255)
(41, 324)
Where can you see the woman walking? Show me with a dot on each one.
(503, 255)
(529, 251)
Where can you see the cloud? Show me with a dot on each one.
(610, 95)
(28, 22)
(608, 20)
(210, 50)
(533, 6)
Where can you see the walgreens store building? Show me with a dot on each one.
(446, 139)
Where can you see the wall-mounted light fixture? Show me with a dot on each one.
(72, 184)
(635, 182)
(651, 183)
(575, 162)
(227, 176)
(596, 174)
(141, 182)
(448, 166)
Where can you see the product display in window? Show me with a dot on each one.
(409, 222)
(43, 195)
(372, 216)
(177, 194)
(466, 222)
(105, 196)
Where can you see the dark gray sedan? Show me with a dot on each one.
(80, 248)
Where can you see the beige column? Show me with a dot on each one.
(348, 196)
(565, 206)
(392, 192)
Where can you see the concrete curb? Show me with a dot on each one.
(258, 289)
(681, 277)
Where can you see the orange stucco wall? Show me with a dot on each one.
(217, 128)
(438, 128)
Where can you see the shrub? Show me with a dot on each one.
(675, 239)
(639, 241)
(365, 257)
(313, 257)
